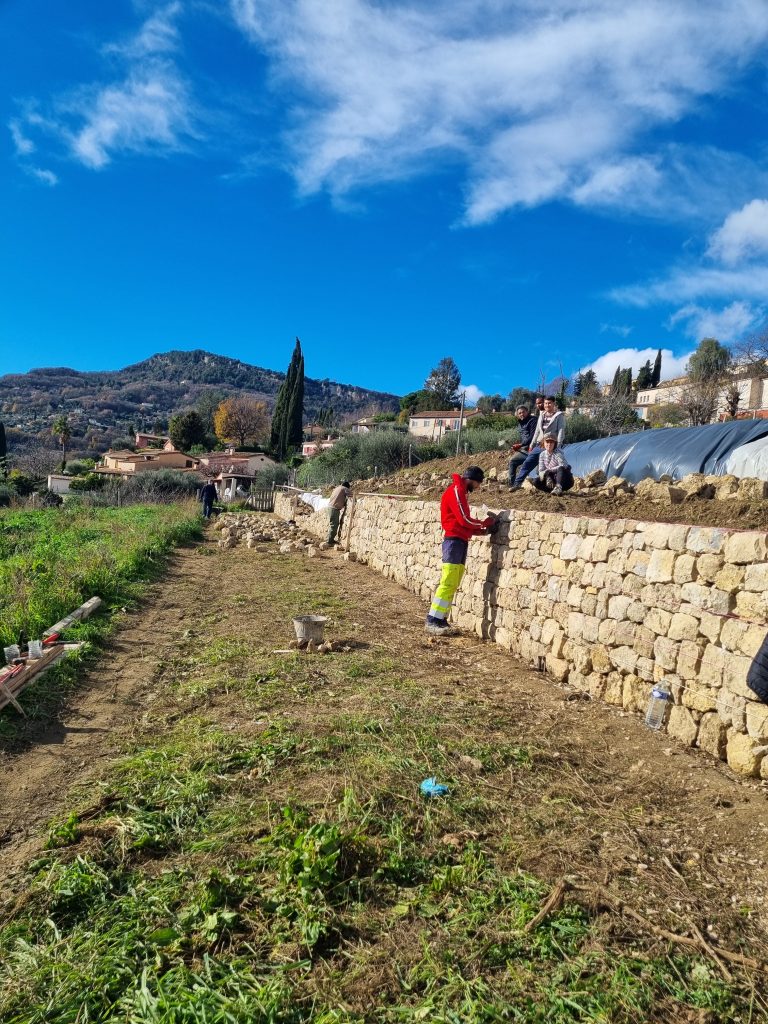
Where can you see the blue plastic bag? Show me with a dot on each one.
(431, 787)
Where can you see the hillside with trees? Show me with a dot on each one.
(106, 406)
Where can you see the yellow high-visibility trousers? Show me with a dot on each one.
(446, 591)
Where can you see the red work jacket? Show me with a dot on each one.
(454, 512)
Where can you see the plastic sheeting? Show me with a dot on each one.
(673, 450)
(317, 501)
(749, 459)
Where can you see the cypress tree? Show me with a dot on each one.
(294, 426)
(616, 386)
(656, 375)
(289, 406)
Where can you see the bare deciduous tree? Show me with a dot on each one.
(699, 399)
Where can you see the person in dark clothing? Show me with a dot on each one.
(208, 496)
(527, 430)
(757, 676)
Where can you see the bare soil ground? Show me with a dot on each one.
(583, 793)
(743, 515)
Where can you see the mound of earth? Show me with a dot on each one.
(428, 481)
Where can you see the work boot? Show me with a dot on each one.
(438, 627)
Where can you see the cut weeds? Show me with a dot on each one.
(269, 859)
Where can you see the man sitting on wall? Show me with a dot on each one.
(527, 430)
(551, 421)
(459, 526)
(554, 472)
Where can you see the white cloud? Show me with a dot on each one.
(43, 175)
(149, 110)
(472, 392)
(605, 366)
(727, 325)
(158, 34)
(621, 329)
(21, 142)
(539, 101)
(743, 235)
(146, 109)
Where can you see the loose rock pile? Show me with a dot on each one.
(250, 529)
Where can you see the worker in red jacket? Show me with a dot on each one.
(459, 526)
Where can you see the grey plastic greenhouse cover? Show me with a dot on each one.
(673, 450)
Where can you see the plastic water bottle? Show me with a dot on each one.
(657, 705)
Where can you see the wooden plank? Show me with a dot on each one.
(77, 615)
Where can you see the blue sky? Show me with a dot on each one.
(518, 185)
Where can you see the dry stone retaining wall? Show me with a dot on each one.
(610, 605)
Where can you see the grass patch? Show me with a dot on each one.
(53, 560)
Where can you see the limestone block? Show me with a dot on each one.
(586, 547)
(757, 720)
(606, 632)
(601, 661)
(663, 493)
(569, 549)
(750, 641)
(658, 621)
(661, 566)
(558, 668)
(634, 696)
(752, 490)
(699, 698)
(683, 627)
(689, 661)
(695, 594)
(617, 527)
(595, 684)
(742, 755)
(595, 479)
(602, 548)
(625, 632)
(581, 659)
(617, 562)
(591, 627)
(638, 562)
(642, 646)
(746, 548)
(752, 606)
(589, 602)
(666, 652)
(681, 725)
(702, 539)
(575, 624)
(617, 606)
(731, 710)
(575, 595)
(709, 626)
(633, 585)
(735, 675)
(730, 578)
(636, 611)
(657, 535)
(624, 659)
(731, 633)
(685, 569)
(614, 688)
(712, 735)
(708, 565)
(644, 669)
(726, 487)
(756, 577)
(613, 582)
(616, 485)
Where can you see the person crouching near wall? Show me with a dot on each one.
(459, 527)
(554, 473)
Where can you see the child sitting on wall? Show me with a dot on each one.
(554, 472)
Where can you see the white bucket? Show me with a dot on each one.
(310, 627)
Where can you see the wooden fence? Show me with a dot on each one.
(262, 501)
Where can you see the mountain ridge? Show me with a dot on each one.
(104, 404)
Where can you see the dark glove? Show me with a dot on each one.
(491, 524)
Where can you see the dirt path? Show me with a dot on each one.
(608, 801)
